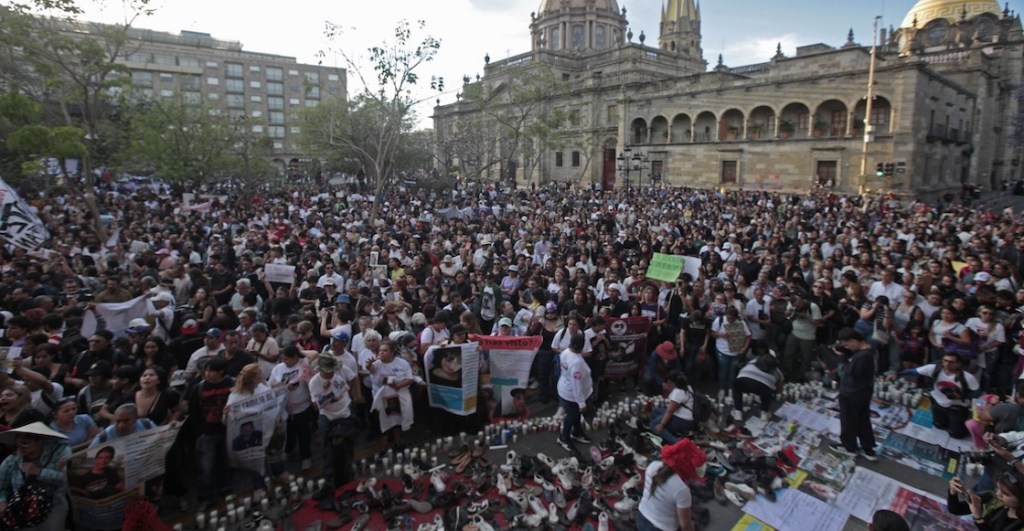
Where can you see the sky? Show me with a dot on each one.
(743, 31)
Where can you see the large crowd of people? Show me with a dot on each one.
(790, 288)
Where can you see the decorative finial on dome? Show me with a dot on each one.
(624, 10)
(720, 62)
(642, 37)
(914, 23)
(487, 59)
(1006, 10)
(465, 79)
(438, 100)
(533, 15)
(778, 52)
(849, 37)
(629, 34)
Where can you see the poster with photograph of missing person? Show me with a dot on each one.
(452, 375)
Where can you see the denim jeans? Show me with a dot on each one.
(214, 472)
(571, 425)
(727, 366)
(675, 429)
(643, 524)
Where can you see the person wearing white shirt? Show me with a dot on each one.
(295, 373)
(888, 287)
(574, 388)
(332, 391)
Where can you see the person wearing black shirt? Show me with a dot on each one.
(205, 405)
(234, 356)
(100, 349)
(856, 385)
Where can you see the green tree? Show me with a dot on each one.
(194, 144)
(73, 65)
(371, 127)
(27, 143)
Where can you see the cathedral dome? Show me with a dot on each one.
(599, 5)
(928, 10)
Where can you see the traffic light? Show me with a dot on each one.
(889, 167)
(880, 170)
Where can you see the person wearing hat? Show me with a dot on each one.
(212, 348)
(666, 502)
(614, 302)
(664, 361)
(97, 392)
(185, 343)
(333, 390)
(163, 314)
(574, 388)
(448, 267)
(504, 327)
(294, 372)
(510, 283)
(856, 386)
(40, 456)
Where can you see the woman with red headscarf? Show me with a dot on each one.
(666, 502)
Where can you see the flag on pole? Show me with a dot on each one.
(18, 224)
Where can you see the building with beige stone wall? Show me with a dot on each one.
(943, 100)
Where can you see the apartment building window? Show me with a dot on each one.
(294, 101)
(275, 89)
(164, 76)
(312, 103)
(275, 103)
(166, 93)
(293, 72)
(256, 114)
(254, 68)
(139, 58)
(236, 114)
(189, 82)
(235, 100)
(254, 84)
(275, 131)
(575, 159)
(333, 77)
(334, 91)
(257, 129)
(192, 97)
(165, 60)
(275, 117)
(274, 74)
(212, 81)
(211, 64)
(313, 92)
(188, 62)
(313, 77)
(213, 96)
(295, 130)
(558, 159)
(142, 79)
(256, 99)
(234, 85)
(234, 70)
(294, 88)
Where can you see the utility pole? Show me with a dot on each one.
(869, 130)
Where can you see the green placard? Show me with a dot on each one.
(665, 267)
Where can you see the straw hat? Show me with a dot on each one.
(37, 429)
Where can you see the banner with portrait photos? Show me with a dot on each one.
(507, 359)
(253, 424)
(452, 374)
(102, 477)
(628, 337)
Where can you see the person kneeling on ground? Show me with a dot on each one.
(676, 419)
(664, 361)
(952, 390)
(760, 376)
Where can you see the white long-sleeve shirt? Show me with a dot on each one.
(575, 384)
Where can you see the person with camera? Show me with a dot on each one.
(1001, 516)
(952, 390)
(802, 340)
(856, 385)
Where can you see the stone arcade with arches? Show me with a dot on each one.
(945, 94)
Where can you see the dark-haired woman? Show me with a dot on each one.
(666, 503)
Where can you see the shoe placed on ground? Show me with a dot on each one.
(626, 505)
(478, 507)
(737, 415)
(595, 453)
(361, 522)
(583, 439)
(437, 482)
(742, 490)
(606, 463)
(602, 522)
(366, 485)
(548, 462)
(841, 450)
(502, 484)
(407, 483)
(528, 521)
(543, 483)
(631, 483)
(480, 523)
(719, 492)
(510, 458)
(414, 472)
(734, 498)
(537, 507)
(587, 480)
(568, 478)
(519, 499)
(565, 445)
(870, 455)
(558, 498)
(421, 507)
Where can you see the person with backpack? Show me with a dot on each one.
(762, 377)
(677, 419)
(732, 339)
(952, 390)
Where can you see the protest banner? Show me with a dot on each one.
(252, 424)
(19, 225)
(7, 357)
(665, 267)
(102, 477)
(508, 360)
(280, 273)
(628, 337)
(452, 376)
(117, 315)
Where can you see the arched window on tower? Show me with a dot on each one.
(556, 39)
(599, 37)
(577, 36)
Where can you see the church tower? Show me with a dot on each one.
(680, 29)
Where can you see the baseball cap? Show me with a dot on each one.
(178, 379)
(505, 321)
(982, 276)
(339, 335)
(190, 326)
(213, 332)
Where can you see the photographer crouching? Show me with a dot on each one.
(952, 390)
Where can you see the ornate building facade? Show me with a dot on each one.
(943, 105)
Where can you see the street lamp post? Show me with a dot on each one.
(629, 161)
(640, 162)
(624, 165)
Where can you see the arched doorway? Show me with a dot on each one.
(608, 165)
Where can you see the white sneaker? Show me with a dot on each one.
(519, 499)
(721, 395)
(537, 507)
(413, 472)
(742, 490)
(625, 505)
(571, 513)
(437, 482)
(734, 498)
(602, 521)
(529, 521)
(502, 485)
(559, 412)
(587, 480)
(630, 483)
(737, 415)
(552, 514)
(367, 485)
(568, 479)
(607, 462)
(548, 462)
